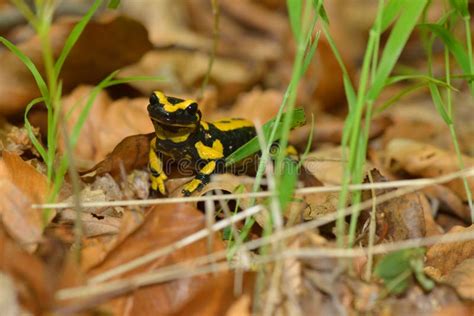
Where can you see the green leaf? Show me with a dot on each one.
(453, 45)
(74, 36)
(391, 10)
(31, 67)
(29, 129)
(295, 8)
(310, 53)
(461, 7)
(438, 102)
(395, 44)
(322, 11)
(396, 268)
(253, 146)
(113, 4)
(286, 187)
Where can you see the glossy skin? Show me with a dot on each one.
(181, 134)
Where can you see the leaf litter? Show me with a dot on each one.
(43, 257)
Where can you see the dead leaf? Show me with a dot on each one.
(462, 278)
(95, 250)
(400, 218)
(217, 292)
(16, 140)
(449, 202)
(107, 124)
(328, 129)
(29, 274)
(427, 161)
(21, 186)
(164, 225)
(444, 257)
(131, 153)
(230, 76)
(256, 105)
(94, 56)
(241, 307)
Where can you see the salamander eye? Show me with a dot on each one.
(153, 99)
(192, 108)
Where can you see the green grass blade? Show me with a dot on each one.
(391, 10)
(74, 36)
(115, 82)
(113, 4)
(85, 111)
(310, 54)
(295, 7)
(438, 102)
(288, 181)
(395, 44)
(454, 46)
(30, 65)
(253, 146)
(29, 129)
(461, 7)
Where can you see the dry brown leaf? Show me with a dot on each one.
(328, 129)
(419, 302)
(241, 307)
(163, 225)
(95, 250)
(230, 76)
(131, 153)
(235, 38)
(462, 278)
(449, 202)
(400, 218)
(107, 124)
(106, 45)
(219, 298)
(427, 161)
(167, 22)
(15, 140)
(29, 273)
(21, 185)
(256, 105)
(459, 309)
(444, 257)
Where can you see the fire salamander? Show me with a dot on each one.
(181, 134)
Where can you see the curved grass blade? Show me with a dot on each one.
(29, 129)
(454, 46)
(30, 65)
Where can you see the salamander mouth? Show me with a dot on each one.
(166, 121)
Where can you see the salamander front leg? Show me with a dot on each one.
(157, 174)
(201, 179)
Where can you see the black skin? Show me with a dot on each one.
(186, 125)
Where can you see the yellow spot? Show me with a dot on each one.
(291, 151)
(209, 168)
(231, 124)
(192, 185)
(210, 153)
(205, 125)
(172, 107)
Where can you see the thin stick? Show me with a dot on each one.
(422, 182)
(173, 247)
(293, 231)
